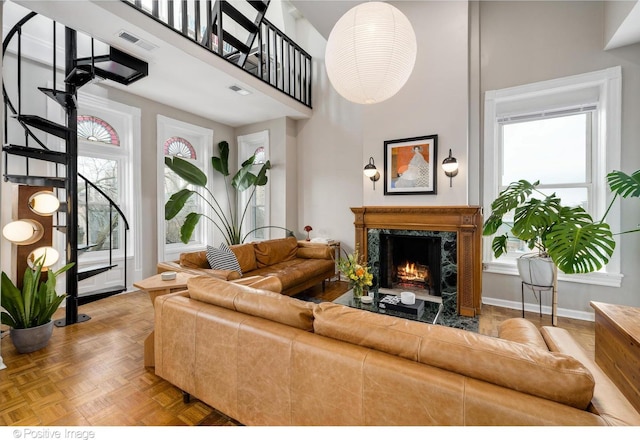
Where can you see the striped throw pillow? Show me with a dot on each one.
(222, 258)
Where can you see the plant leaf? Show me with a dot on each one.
(581, 245)
(515, 194)
(499, 245)
(189, 225)
(261, 178)
(244, 178)
(221, 164)
(623, 184)
(176, 202)
(533, 218)
(12, 302)
(186, 170)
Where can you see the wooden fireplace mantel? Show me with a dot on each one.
(466, 221)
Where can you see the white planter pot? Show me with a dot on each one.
(536, 270)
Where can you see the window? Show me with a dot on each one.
(192, 143)
(564, 133)
(257, 214)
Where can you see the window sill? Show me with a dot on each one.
(595, 278)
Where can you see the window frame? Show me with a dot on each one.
(600, 87)
(201, 139)
(247, 145)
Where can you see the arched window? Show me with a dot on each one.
(260, 156)
(95, 129)
(177, 146)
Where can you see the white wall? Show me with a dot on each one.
(337, 141)
(525, 42)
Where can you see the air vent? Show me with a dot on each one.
(240, 90)
(127, 36)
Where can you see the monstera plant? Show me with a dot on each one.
(569, 236)
(228, 221)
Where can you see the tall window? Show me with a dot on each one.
(564, 133)
(192, 143)
(257, 215)
(100, 161)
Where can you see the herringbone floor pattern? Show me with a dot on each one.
(92, 374)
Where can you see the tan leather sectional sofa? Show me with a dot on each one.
(267, 359)
(295, 265)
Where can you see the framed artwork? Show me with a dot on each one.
(410, 165)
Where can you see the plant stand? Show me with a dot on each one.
(554, 295)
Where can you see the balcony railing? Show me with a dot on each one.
(273, 57)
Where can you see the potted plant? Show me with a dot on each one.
(228, 222)
(28, 311)
(566, 237)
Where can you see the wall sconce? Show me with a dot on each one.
(371, 172)
(44, 203)
(23, 232)
(450, 167)
(49, 255)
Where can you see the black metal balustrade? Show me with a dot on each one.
(241, 36)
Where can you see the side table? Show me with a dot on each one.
(334, 244)
(155, 287)
(617, 349)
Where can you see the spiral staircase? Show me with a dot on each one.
(61, 164)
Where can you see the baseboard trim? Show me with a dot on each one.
(535, 308)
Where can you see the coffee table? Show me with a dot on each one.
(156, 286)
(431, 313)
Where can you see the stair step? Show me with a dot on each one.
(86, 247)
(36, 153)
(65, 99)
(259, 6)
(56, 182)
(233, 41)
(79, 76)
(239, 17)
(45, 125)
(60, 228)
(86, 298)
(92, 271)
(117, 66)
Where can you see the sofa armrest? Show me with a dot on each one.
(222, 274)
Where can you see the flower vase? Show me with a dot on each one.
(358, 290)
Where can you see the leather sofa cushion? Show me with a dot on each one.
(522, 331)
(194, 260)
(251, 301)
(291, 272)
(246, 256)
(319, 252)
(270, 252)
(541, 373)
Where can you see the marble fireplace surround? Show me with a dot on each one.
(465, 221)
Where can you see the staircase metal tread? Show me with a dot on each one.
(58, 182)
(239, 17)
(36, 153)
(62, 97)
(46, 125)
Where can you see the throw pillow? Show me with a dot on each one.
(222, 258)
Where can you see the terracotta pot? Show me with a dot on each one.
(27, 340)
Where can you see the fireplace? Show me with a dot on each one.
(452, 235)
(409, 262)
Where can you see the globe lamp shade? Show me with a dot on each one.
(44, 203)
(370, 53)
(23, 232)
(50, 255)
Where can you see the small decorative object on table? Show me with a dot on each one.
(358, 273)
(308, 229)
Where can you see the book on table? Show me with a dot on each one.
(392, 302)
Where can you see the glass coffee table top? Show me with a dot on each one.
(430, 313)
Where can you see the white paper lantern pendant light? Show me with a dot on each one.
(370, 53)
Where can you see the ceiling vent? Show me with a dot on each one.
(240, 90)
(127, 36)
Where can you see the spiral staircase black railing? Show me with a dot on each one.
(78, 72)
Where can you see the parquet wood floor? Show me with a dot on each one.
(92, 373)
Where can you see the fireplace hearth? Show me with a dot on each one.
(445, 236)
